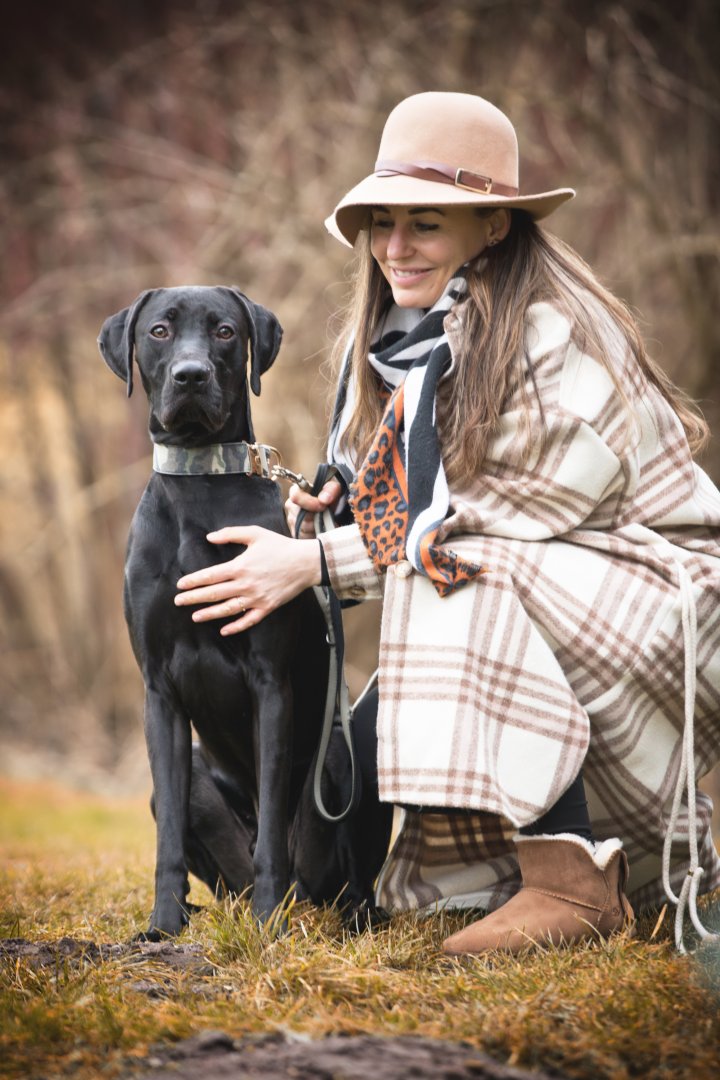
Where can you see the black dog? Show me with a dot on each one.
(236, 809)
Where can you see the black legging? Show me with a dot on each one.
(568, 815)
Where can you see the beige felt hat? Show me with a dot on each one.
(442, 149)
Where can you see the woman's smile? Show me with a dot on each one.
(408, 275)
(419, 248)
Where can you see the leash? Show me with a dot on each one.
(337, 702)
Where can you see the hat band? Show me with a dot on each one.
(445, 174)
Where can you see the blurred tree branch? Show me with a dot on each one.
(203, 141)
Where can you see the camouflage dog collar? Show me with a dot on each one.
(251, 459)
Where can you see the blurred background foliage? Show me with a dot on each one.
(204, 141)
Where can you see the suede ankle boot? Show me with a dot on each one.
(571, 890)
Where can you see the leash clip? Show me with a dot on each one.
(280, 472)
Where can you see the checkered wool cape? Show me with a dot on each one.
(568, 652)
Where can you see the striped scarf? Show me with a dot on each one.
(399, 494)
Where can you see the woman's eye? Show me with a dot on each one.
(426, 226)
(159, 331)
(225, 332)
(382, 223)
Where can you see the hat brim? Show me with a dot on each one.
(350, 215)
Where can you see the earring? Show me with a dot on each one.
(491, 243)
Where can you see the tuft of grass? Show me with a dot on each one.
(82, 868)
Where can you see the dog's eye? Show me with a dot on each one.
(225, 332)
(159, 331)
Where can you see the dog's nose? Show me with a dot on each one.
(190, 374)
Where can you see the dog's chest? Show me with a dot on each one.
(167, 540)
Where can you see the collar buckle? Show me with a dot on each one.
(260, 455)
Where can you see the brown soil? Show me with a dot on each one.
(214, 1055)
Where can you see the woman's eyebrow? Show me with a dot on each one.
(411, 210)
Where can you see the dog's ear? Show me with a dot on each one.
(117, 339)
(265, 337)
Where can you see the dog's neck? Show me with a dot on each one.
(250, 459)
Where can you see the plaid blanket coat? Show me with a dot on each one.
(569, 651)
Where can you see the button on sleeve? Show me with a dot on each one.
(403, 569)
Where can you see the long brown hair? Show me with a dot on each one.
(527, 266)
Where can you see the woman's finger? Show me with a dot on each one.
(236, 534)
(312, 504)
(209, 594)
(219, 572)
(303, 500)
(330, 493)
(208, 576)
(307, 526)
(250, 618)
(291, 512)
(234, 605)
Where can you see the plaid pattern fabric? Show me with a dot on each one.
(567, 652)
(458, 860)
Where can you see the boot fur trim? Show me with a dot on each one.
(600, 853)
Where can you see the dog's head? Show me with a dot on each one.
(191, 347)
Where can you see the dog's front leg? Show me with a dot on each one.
(167, 733)
(272, 735)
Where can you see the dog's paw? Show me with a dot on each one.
(151, 934)
(364, 916)
(167, 924)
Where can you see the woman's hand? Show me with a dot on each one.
(272, 570)
(302, 500)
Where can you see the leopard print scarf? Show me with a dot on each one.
(399, 494)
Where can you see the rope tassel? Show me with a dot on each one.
(686, 902)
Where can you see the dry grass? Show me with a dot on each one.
(80, 866)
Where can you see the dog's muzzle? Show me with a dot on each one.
(191, 395)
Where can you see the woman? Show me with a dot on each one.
(523, 497)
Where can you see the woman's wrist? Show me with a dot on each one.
(311, 560)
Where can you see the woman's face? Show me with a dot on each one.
(419, 248)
